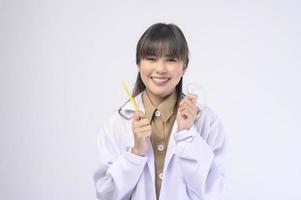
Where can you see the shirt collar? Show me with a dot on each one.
(148, 106)
(166, 108)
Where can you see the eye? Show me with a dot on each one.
(172, 60)
(151, 58)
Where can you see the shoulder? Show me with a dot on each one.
(115, 121)
(115, 133)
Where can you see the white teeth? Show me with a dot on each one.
(160, 79)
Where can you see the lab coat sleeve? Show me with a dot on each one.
(119, 169)
(203, 161)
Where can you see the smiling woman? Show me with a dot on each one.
(171, 143)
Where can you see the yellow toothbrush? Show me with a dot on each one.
(125, 87)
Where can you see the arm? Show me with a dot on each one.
(203, 162)
(119, 169)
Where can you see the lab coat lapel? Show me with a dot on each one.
(150, 161)
(171, 146)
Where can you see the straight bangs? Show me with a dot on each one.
(161, 47)
(163, 41)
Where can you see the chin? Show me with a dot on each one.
(162, 94)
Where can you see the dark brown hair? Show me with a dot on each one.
(161, 39)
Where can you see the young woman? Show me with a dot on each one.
(170, 149)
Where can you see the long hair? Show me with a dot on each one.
(162, 39)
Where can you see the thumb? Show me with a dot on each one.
(141, 114)
(136, 116)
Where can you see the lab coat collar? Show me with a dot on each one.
(128, 111)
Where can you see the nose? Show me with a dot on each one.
(161, 66)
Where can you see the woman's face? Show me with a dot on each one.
(161, 75)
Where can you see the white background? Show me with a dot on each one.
(61, 63)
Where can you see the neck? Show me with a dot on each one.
(156, 100)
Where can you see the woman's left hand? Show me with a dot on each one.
(187, 112)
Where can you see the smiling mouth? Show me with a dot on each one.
(160, 80)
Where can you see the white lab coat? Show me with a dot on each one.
(194, 167)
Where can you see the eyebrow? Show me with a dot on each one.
(150, 54)
(168, 55)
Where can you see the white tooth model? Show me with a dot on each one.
(195, 88)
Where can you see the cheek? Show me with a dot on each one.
(144, 73)
(178, 73)
(144, 69)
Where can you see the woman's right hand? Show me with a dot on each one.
(142, 132)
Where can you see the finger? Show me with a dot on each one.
(189, 106)
(144, 128)
(142, 122)
(136, 116)
(137, 126)
(186, 112)
(181, 113)
(188, 102)
(144, 134)
(192, 97)
(141, 114)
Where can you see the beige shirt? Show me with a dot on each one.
(162, 119)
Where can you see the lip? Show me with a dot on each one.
(160, 80)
